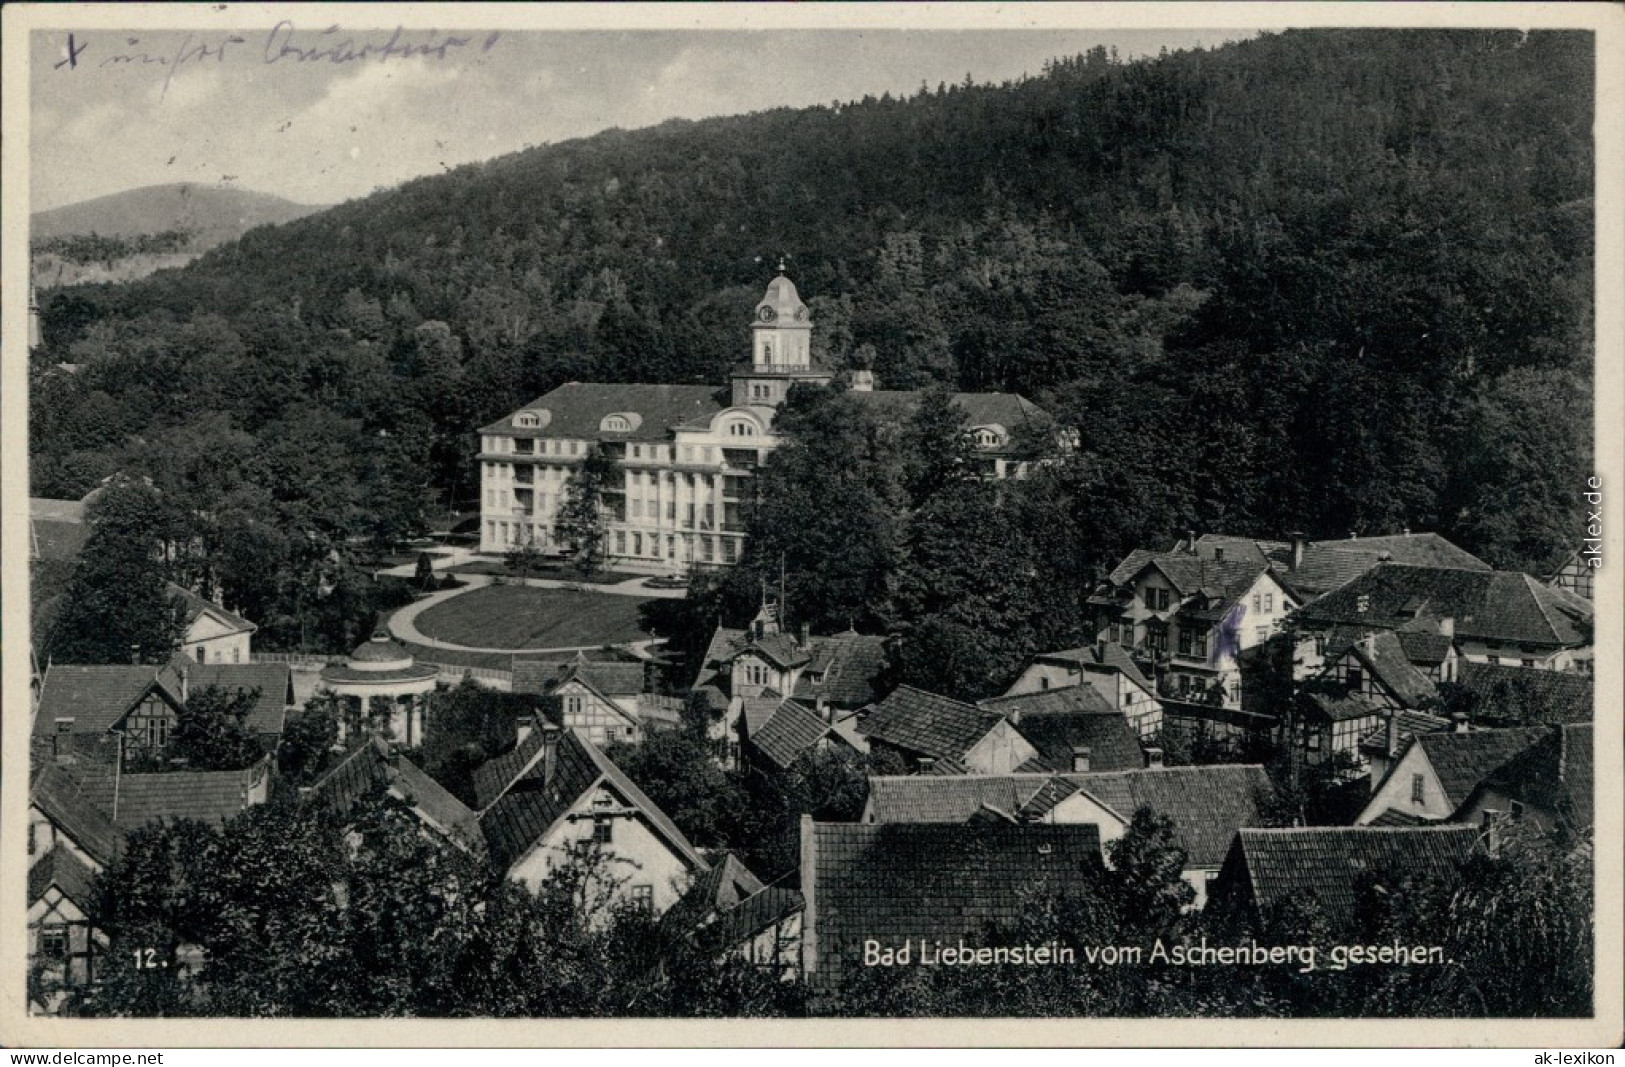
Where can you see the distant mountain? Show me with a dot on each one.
(127, 235)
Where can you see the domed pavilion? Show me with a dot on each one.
(382, 690)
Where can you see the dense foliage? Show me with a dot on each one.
(1320, 280)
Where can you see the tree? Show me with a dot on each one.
(467, 725)
(524, 559)
(423, 574)
(307, 742)
(211, 731)
(117, 605)
(675, 768)
(1146, 876)
(581, 521)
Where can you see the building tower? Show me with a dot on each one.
(781, 348)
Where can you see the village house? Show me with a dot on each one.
(1494, 617)
(1314, 568)
(1206, 804)
(1104, 667)
(932, 734)
(882, 886)
(1548, 784)
(688, 454)
(372, 769)
(1189, 619)
(1356, 688)
(746, 674)
(1380, 747)
(1324, 867)
(62, 943)
(1072, 730)
(1435, 773)
(128, 713)
(1576, 575)
(727, 911)
(604, 700)
(792, 731)
(212, 634)
(555, 797)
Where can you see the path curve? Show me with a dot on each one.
(403, 624)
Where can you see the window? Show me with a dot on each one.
(236, 654)
(767, 351)
(643, 897)
(1495, 661)
(1261, 634)
(1313, 741)
(1417, 789)
(572, 705)
(1517, 809)
(615, 424)
(620, 540)
(1353, 677)
(53, 942)
(603, 830)
(741, 429)
(1184, 641)
(1362, 603)
(200, 654)
(637, 451)
(1269, 603)
(1043, 683)
(1258, 603)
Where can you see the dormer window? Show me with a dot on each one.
(532, 420)
(983, 437)
(741, 429)
(620, 422)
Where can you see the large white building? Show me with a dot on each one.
(687, 452)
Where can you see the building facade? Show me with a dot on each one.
(687, 453)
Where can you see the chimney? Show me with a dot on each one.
(759, 628)
(186, 685)
(550, 752)
(523, 726)
(1391, 738)
(926, 763)
(863, 381)
(806, 637)
(1354, 535)
(1299, 543)
(1368, 645)
(1405, 531)
(1190, 541)
(1153, 757)
(1100, 650)
(1447, 627)
(1458, 722)
(1080, 759)
(1492, 831)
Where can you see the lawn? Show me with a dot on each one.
(556, 571)
(522, 616)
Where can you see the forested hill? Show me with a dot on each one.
(1323, 280)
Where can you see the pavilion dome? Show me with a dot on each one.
(380, 653)
(781, 305)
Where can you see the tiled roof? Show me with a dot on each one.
(435, 805)
(534, 803)
(780, 649)
(1207, 804)
(1334, 702)
(207, 796)
(495, 774)
(724, 643)
(1411, 723)
(897, 882)
(63, 799)
(577, 409)
(67, 872)
(273, 680)
(752, 915)
(791, 731)
(1424, 648)
(1329, 564)
(1385, 657)
(612, 678)
(1556, 774)
(1325, 862)
(196, 606)
(1505, 694)
(1072, 699)
(709, 894)
(926, 723)
(1462, 760)
(1486, 605)
(95, 698)
(58, 540)
(756, 711)
(1113, 745)
(948, 798)
(850, 665)
(1190, 574)
(1102, 656)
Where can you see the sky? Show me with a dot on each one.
(135, 108)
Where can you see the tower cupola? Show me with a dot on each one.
(782, 328)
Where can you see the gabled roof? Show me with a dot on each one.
(751, 916)
(1113, 745)
(1555, 775)
(897, 882)
(1325, 862)
(791, 732)
(754, 712)
(212, 797)
(273, 680)
(1384, 656)
(1101, 657)
(1411, 723)
(577, 410)
(61, 796)
(848, 667)
(1220, 582)
(724, 643)
(95, 698)
(1071, 699)
(948, 798)
(372, 767)
(1505, 695)
(710, 893)
(928, 724)
(61, 868)
(1462, 760)
(494, 776)
(779, 649)
(1326, 565)
(1336, 703)
(1207, 804)
(533, 803)
(1424, 648)
(1486, 605)
(197, 606)
(611, 678)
